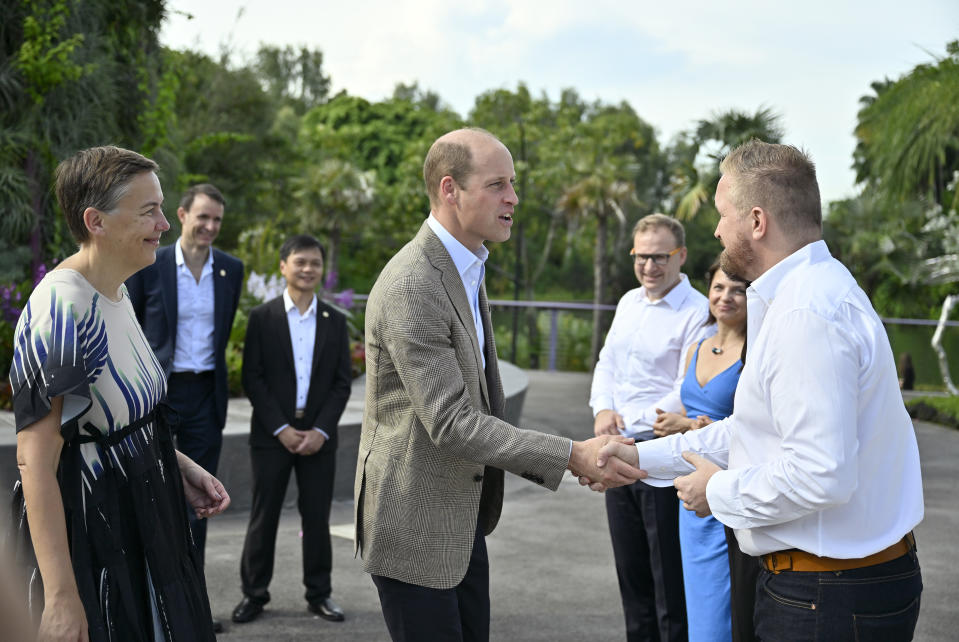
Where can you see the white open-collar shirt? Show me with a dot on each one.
(193, 350)
(471, 267)
(641, 365)
(820, 451)
(303, 338)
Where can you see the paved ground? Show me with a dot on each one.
(551, 569)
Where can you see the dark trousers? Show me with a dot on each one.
(743, 573)
(199, 435)
(644, 528)
(878, 602)
(460, 614)
(271, 469)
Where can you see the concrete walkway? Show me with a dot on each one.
(551, 566)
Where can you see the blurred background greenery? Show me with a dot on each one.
(290, 157)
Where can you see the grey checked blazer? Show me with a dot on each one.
(434, 445)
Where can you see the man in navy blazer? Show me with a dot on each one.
(296, 372)
(186, 302)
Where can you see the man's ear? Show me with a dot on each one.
(181, 214)
(759, 223)
(93, 220)
(448, 190)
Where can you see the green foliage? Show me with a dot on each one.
(234, 349)
(916, 340)
(909, 133)
(697, 154)
(941, 410)
(293, 77)
(158, 113)
(72, 77)
(45, 59)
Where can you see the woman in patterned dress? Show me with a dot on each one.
(103, 486)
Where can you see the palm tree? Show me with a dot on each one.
(333, 195)
(599, 196)
(909, 133)
(708, 144)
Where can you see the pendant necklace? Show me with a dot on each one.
(716, 350)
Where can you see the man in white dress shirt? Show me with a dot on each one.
(296, 372)
(817, 470)
(638, 368)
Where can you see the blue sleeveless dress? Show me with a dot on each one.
(702, 540)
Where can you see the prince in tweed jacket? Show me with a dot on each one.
(434, 443)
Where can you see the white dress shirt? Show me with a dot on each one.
(640, 367)
(303, 337)
(194, 325)
(822, 455)
(471, 267)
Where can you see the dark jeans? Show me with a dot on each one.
(460, 614)
(878, 602)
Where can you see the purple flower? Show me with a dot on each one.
(9, 296)
(329, 284)
(344, 299)
(39, 273)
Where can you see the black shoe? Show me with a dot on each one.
(217, 626)
(247, 610)
(327, 609)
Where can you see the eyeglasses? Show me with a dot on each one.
(658, 259)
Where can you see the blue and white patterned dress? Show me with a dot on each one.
(137, 573)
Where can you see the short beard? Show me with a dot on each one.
(737, 259)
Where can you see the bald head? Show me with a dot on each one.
(452, 155)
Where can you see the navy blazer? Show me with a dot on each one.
(153, 293)
(269, 374)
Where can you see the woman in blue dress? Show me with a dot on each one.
(712, 373)
(102, 484)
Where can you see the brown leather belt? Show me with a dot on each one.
(796, 560)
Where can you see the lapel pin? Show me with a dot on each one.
(222, 272)
(325, 313)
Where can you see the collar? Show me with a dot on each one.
(463, 257)
(178, 253)
(768, 283)
(289, 305)
(675, 297)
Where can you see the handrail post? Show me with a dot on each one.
(553, 336)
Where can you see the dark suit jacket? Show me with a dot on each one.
(269, 375)
(434, 443)
(153, 293)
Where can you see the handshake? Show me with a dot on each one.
(605, 461)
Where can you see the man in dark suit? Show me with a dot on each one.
(434, 445)
(185, 303)
(296, 372)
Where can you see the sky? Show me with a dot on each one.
(674, 63)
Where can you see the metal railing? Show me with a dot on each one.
(905, 334)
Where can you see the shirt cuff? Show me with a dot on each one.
(600, 404)
(321, 431)
(658, 458)
(280, 429)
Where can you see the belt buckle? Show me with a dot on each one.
(774, 559)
